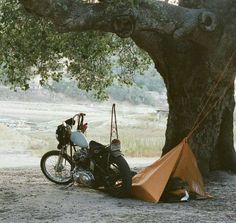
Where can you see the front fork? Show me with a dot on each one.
(59, 165)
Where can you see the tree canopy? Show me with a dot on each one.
(190, 44)
(31, 46)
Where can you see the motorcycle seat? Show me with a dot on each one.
(95, 145)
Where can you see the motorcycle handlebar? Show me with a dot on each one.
(79, 114)
(81, 126)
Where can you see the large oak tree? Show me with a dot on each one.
(192, 46)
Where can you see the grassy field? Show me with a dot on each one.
(141, 130)
(141, 137)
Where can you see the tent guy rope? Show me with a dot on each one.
(203, 114)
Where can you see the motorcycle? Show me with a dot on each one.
(88, 164)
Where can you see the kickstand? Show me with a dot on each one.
(69, 185)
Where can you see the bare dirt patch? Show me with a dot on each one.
(26, 196)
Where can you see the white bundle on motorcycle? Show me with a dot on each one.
(115, 147)
(79, 139)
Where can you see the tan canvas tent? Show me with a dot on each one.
(149, 183)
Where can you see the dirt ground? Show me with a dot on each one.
(26, 196)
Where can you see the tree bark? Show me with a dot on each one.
(190, 46)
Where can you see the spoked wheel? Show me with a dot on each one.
(57, 167)
(120, 179)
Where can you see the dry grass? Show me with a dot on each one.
(143, 136)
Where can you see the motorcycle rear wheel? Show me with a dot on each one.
(120, 185)
(57, 167)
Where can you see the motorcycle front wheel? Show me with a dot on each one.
(57, 167)
(120, 179)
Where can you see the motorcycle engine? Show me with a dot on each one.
(84, 177)
(81, 157)
(82, 174)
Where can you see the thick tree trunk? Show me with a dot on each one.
(190, 71)
(189, 82)
(190, 46)
(223, 157)
(190, 78)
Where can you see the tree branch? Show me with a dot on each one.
(175, 20)
(125, 18)
(71, 15)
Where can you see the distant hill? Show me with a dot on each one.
(147, 89)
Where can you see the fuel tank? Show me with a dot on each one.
(79, 139)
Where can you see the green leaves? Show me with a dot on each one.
(31, 47)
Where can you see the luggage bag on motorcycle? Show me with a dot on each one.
(63, 134)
